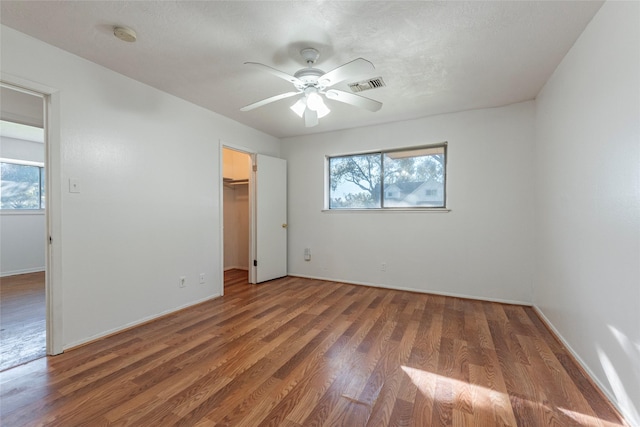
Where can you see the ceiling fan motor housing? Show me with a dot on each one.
(309, 76)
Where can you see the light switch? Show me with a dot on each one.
(74, 185)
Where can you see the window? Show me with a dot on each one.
(407, 178)
(21, 186)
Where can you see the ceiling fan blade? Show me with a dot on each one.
(277, 73)
(346, 71)
(357, 100)
(310, 118)
(268, 100)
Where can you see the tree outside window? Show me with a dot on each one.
(21, 186)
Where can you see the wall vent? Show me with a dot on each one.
(367, 84)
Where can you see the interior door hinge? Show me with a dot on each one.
(255, 168)
(255, 262)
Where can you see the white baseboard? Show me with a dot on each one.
(245, 268)
(136, 323)
(25, 271)
(583, 365)
(420, 291)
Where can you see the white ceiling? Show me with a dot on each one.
(435, 57)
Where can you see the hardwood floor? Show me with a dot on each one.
(22, 319)
(301, 352)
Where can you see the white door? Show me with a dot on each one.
(271, 218)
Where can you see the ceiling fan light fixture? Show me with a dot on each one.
(302, 104)
(322, 110)
(314, 101)
(299, 107)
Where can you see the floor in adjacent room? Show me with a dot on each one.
(22, 319)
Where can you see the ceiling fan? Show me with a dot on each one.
(311, 83)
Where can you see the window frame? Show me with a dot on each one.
(41, 185)
(382, 208)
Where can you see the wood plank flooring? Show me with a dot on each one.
(300, 352)
(22, 319)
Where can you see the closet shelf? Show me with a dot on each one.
(231, 181)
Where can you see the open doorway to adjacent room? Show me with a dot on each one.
(23, 228)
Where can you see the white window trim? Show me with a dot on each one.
(21, 212)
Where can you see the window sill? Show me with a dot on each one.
(21, 211)
(389, 210)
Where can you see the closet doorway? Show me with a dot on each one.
(236, 174)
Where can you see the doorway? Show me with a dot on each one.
(236, 175)
(253, 203)
(23, 227)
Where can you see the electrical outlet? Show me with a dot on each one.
(383, 266)
(201, 278)
(182, 282)
(307, 254)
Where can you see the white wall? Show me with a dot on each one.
(482, 248)
(588, 201)
(148, 211)
(22, 234)
(22, 242)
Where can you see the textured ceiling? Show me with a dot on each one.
(435, 57)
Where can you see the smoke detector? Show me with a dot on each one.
(125, 34)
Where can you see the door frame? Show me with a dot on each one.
(53, 205)
(252, 218)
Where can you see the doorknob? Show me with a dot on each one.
(285, 225)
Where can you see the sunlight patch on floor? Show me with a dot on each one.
(486, 399)
(426, 383)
